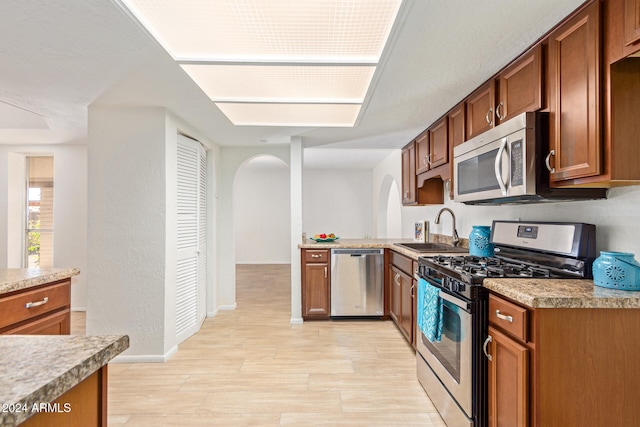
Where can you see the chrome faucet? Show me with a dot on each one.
(454, 236)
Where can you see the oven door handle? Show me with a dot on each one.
(453, 300)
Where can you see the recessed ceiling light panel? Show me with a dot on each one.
(275, 62)
(282, 83)
(319, 30)
(308, 115)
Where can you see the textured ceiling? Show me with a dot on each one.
(57, 57)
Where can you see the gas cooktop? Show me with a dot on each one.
(470, 265)
(522, 250)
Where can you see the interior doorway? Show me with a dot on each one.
(389, 209)
(262, 211)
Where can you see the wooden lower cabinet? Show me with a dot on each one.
(316, 287)
(402, 295)
(508, 381)
(401, 307)
(55, 324)
(85, 405)
(562, 366)
(39, 310)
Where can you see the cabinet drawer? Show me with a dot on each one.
(320, 255)
(509, 317)
(402, 262)
(26, 305)
(58, 323)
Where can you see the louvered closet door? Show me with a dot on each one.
(191, 237)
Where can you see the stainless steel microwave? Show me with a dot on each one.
(506, 164)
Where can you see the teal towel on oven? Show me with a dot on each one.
(430, 316)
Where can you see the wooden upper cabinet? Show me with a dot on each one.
(432, 147)
(456, 136)
(574, 97)
(456, 133)
(480, 106)
(631, 22)
(520, 86)
(422, 152)
(438, 144)
(409, 174)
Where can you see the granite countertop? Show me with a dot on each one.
(534, 293)
(562, 293)
(375, 244)
(16, 279)
(39, 369)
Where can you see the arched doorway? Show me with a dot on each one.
(261, 211)
(389, 209)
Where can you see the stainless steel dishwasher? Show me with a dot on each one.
(357, 282)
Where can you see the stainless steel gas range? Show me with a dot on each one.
(452, 307)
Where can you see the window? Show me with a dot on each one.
(39, 209)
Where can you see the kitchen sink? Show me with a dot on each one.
(432, 247)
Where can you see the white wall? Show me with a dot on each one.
(617, 218)
(127, 225)
(132, 228)
(338, 201)
(70, 209)
(262, 212)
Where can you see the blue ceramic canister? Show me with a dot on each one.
(479, 241)
(617, 270)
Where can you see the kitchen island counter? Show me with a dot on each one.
(562, 293)
(37, 370)
(17, 279)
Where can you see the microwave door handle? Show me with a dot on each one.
(498, 164)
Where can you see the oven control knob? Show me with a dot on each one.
(454, 285)
(461, 287)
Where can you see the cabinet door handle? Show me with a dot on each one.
(504, 316)
(488, 116)
(501, 117)
(425, 160)
(547, 161)
(411, 291)
(484, 347)
(37, 303)
(395, 279)
(316, 256)
(325, 272)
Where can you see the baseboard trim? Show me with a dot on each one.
(296, 321)
(228, 307)
(263, 263)
(79, 309)
(145, 358)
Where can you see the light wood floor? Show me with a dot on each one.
(250, 367)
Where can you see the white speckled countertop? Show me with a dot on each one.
(562, 293)
(16, 279)
(39, 369)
